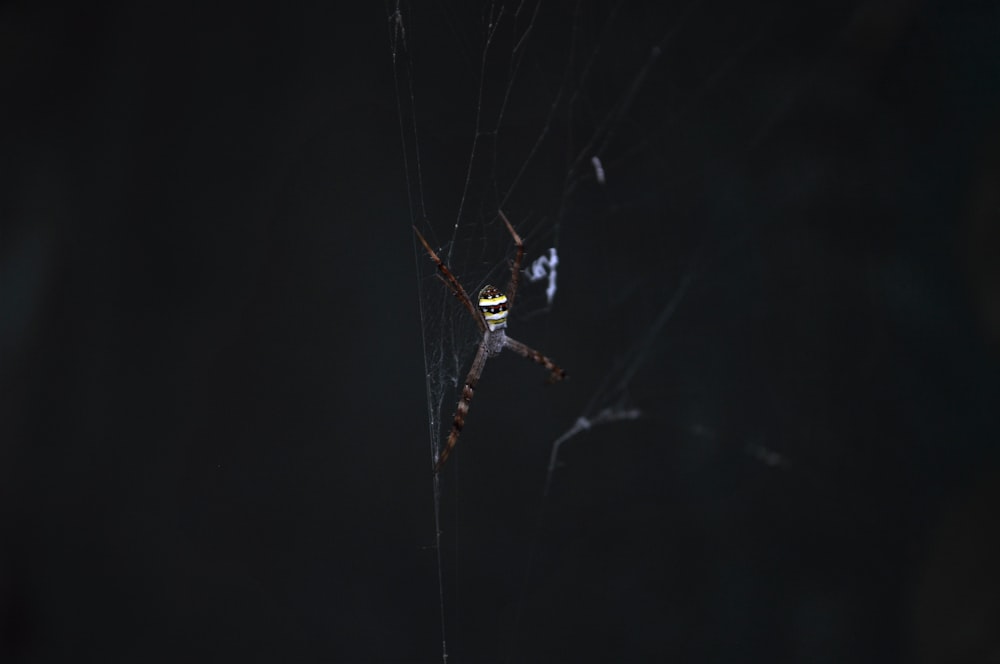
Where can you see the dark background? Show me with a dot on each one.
(213, 422)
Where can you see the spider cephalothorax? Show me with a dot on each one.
(491, 319)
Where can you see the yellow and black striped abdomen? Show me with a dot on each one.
(493, 304)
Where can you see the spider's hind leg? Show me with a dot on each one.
(515, 268)
(449, 280)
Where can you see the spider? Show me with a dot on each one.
(491, 319)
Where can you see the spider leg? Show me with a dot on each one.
(449, 279)
(515, 268)
(556, 373)
(468, 390)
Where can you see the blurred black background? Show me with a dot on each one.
(212, 425)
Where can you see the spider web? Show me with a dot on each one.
(483, 149)
(455, 201)
(580, 127)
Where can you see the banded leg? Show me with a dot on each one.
(556, 373)
(515, 268)
(449, 279)
(468, 390)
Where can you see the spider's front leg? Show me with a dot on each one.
(556, 372)
(468, 390)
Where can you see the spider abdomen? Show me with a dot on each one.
(493, 304)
